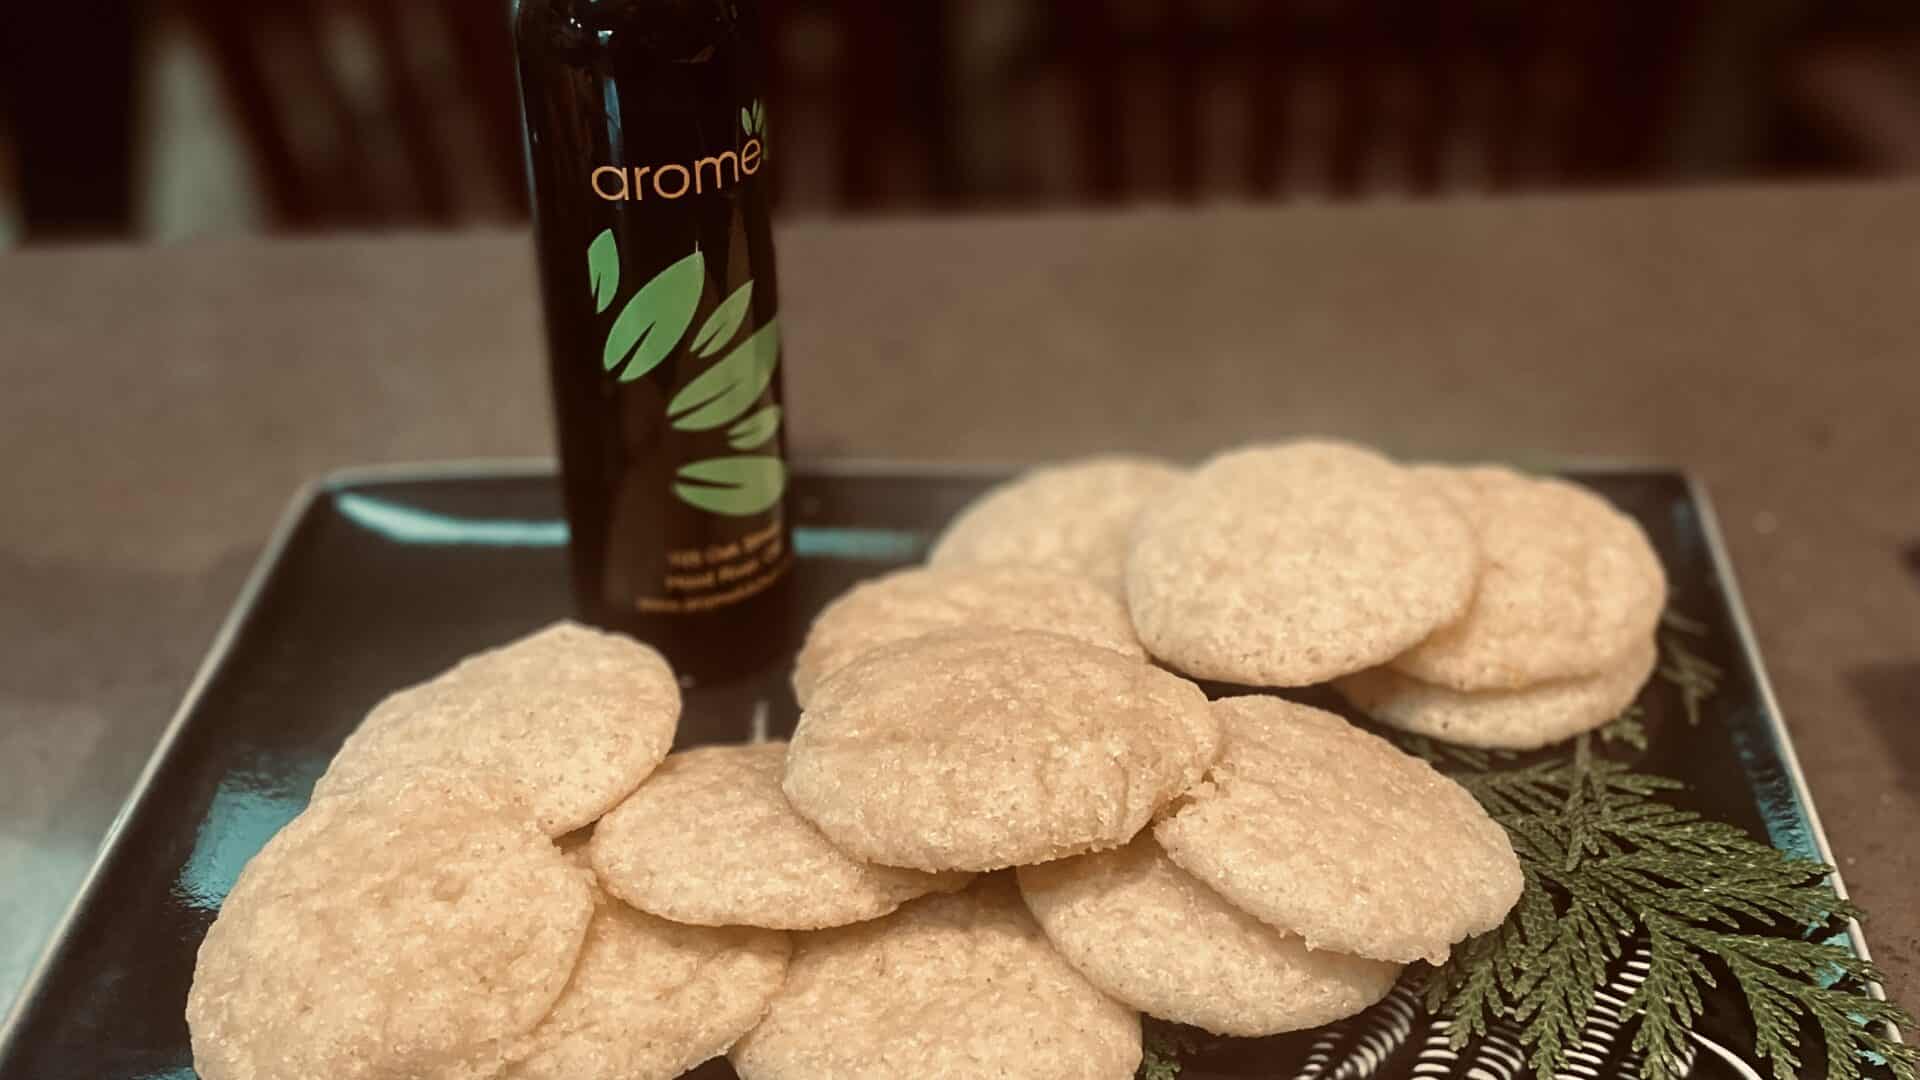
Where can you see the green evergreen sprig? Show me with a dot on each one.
(1696, 678)
(1163, 1051)
(1606, 861)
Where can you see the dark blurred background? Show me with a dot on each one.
(157, 120)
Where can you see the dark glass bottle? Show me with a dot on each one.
(648, 154)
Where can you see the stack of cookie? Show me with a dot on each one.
(432, 913)
(1250, 865)
(1559, 636)
(1476, 605)
(1007, 824)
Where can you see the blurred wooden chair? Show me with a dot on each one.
(867, 86)
(343, 102)
(361, 112)
(1418, 95)
(369, 111)
(68, 114)
(1334, 97)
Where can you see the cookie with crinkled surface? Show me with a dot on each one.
(710, 840)
(571, 718)
(1073, 517)
(396, 931)
(1523, 719)
(954, 987)
(1323, 830)
(1571, 586)
(651, 999)
(1293, 564)
(1151, 935)
(981, 749)
(909, 603)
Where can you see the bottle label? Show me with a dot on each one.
(692, 353)
(673, 180)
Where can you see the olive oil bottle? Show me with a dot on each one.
(648, 151)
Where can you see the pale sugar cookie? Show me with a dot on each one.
(1523, 719)
(1322, 830)
(710, 840)
(955, 987)
(982, 749)
(910, 603)
(1571, 586)
(572, 719)
(1294, 564)
(1150, 934)
(650, 999)
(1073, 517)
(398, 930)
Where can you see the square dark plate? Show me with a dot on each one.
(381, 578)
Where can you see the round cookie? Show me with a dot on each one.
(948, 988)
(1323, 830)
(1523, 719)
(572, 718)
(1570, 587)
(651, 999)
(981, 749)
(396, 931)
(1149, 934)
(1290, 565)
(710, 840)
(910, 603)
(1072, 517)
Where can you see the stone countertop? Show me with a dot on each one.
(161, 405)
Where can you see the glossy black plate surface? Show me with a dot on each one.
(381, 579)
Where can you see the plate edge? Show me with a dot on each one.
(453, 468)
(1776, 721)
(297, 508)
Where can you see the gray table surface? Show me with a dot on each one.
(159, 407)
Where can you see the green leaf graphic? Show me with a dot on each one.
(735, 486)
(657, 317)
(756, 430)
(746, 120)
(603, 270)
(724, 322)
(725, 391)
